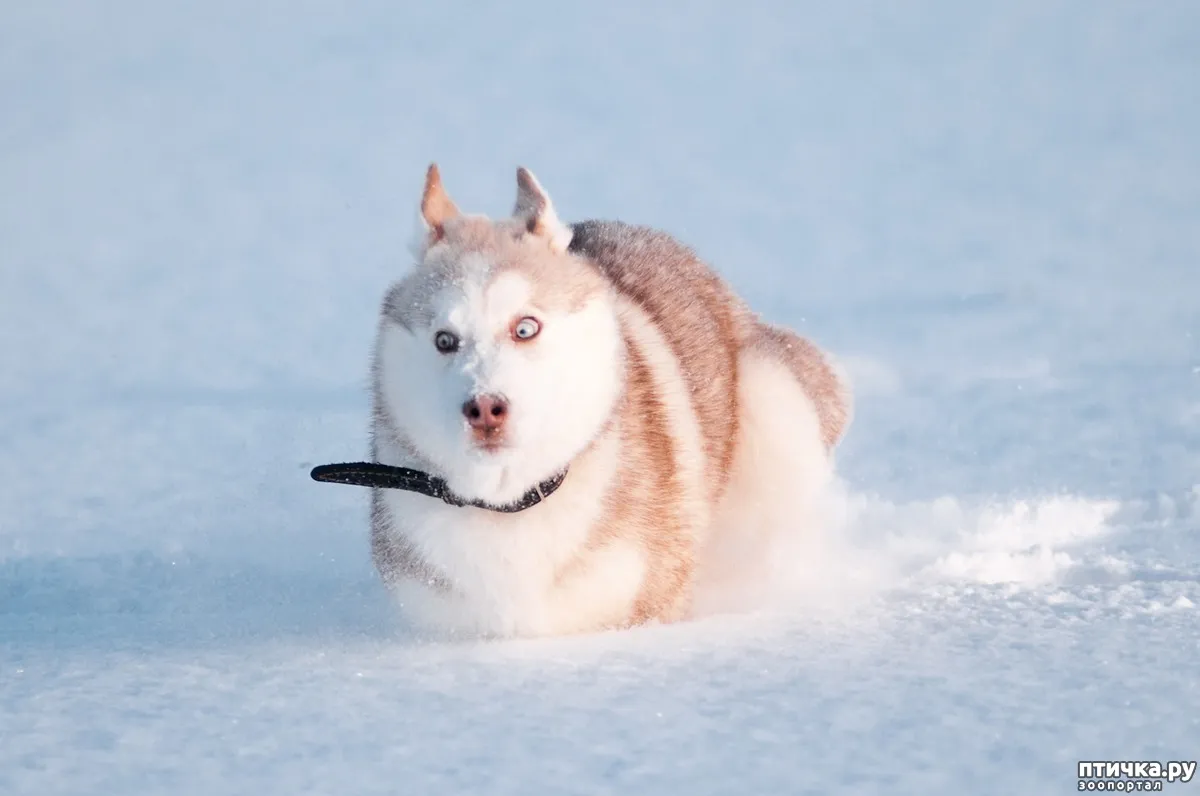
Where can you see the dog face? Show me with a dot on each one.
(500, 357)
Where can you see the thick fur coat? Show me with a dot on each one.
(521, 347)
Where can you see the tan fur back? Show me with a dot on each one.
(696, 312)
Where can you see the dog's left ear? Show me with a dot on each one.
(536, 212)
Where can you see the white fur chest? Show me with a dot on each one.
(539, 571)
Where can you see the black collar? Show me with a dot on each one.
(385, 476)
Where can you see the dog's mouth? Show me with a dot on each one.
(488, 442)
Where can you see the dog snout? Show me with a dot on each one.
(486, 413)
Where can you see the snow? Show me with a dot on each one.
(988, 211)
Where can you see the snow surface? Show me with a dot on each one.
(990, 211)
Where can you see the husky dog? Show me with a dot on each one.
(608, 362)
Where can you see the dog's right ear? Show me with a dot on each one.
(436, 207)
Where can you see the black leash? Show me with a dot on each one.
(385, 476)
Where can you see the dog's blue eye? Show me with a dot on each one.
(446, 342)
(526, 329)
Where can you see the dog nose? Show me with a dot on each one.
(486, 412)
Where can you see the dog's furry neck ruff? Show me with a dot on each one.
(385, 476)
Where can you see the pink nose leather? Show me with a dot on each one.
(486, 413)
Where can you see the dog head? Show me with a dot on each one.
(499, 356)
